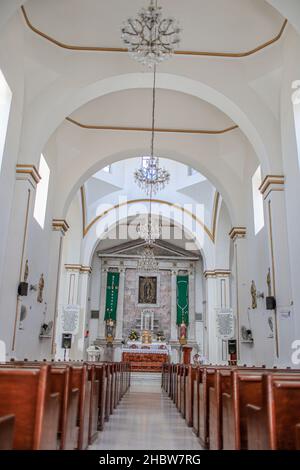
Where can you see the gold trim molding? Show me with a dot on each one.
(232, 55)
(237, 232)
(79, 268)
(28, 172)
(210, 232)
(272, 183)
(165, 130)
(60, 225)
(217, 273)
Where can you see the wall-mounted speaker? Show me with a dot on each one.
(66, 342)
(270, 303)
(23, 289)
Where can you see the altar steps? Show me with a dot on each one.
(145, 382)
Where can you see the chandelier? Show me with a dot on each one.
(147, 261)
(149, 230)
(151, 38)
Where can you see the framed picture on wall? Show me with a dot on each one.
(147, 290)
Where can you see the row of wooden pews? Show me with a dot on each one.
(237, 408)
(57, 405)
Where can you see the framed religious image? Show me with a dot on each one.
(147, 290)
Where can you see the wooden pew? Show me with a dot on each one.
(298, 436)
(94, 403)
(272, 425)
(196, 401)
(60, 383)
(7, 425)
(79, 380)
(26, 394)
(108, 391)
(189, 395)
(221, 385)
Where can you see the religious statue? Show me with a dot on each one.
(26, 271)
(110, 330)
(183, 334)
(269, 283)
(41, 289)
(254, 295)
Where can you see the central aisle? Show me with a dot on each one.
(146, 419)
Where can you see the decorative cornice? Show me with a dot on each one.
(78, 268)
(272, 183)
(29, 173)
(217, 273)
(60, 225)
(149, 129)
(237, 232)
(232, 55)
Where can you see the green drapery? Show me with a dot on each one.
(183, 300)
(112, 291)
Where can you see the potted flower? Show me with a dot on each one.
(133, 336)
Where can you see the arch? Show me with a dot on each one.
(62, 209)
(92, 242)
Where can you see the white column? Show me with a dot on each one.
(241, 290)
(174, 343)
(272, 189)
(217, 296)
(192, 319)
(120, 306)
(101, 328)
(68, 296)
(60, 228)
(27, 178)
(81, 342)
(174, 332)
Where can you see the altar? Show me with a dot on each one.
(146, 357)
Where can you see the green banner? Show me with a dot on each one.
(112, 291)
(183, 300)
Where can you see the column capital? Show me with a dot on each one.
(60, 225)
(237, 232)
(79, 268)
(25, 172)
(272, 183)
(216, 273)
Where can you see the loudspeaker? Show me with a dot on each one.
(23, 289)
(232, 346)
(66, 341)
(271, 303)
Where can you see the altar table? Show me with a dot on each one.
(145, 360)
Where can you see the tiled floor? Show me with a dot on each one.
(146, 419)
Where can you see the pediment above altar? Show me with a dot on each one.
(162, 250)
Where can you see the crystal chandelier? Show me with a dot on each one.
(149, 230)
(147, 261)
(151, 38)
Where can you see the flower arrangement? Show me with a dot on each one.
(133, 336)
(160, 336)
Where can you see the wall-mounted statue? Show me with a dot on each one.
(41, 289)
(26, 271)
(254, 295)
(269, 283)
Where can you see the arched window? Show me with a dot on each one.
(258, 203)
(42, 193)
(5, 102)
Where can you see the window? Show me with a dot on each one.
(191, 171)
(258, 203)
(5, 102)
(107, 169)
(42, 193)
